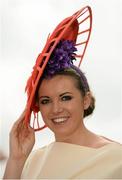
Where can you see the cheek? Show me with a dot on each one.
(76, 107)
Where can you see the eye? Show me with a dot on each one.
(66, 98)
(44, 101)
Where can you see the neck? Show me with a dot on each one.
(82, 136)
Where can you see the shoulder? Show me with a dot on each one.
(113, 154)
(104, 141)
(36, 154)
(33, 162)
(115, 146)
(113, 151)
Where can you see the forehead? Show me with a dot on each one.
(58, 84)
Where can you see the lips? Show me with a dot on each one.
(60, 120)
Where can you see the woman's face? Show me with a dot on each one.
(61, 105)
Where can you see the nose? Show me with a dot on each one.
(56, 107)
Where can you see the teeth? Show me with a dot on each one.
(60, 120)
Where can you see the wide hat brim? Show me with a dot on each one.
(73, 28)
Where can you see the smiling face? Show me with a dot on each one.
(62, 105)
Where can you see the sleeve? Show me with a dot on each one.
(26, 166)
(31, 167)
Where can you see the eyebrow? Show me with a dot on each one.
(59, 95)
(65, 93)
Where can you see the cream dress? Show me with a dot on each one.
(61, 160)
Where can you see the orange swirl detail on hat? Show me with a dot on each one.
(73, 28)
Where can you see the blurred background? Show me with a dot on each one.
(25, 25)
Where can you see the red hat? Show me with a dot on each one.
(76, 28)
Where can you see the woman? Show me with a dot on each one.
(64, 99)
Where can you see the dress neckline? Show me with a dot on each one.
(85, 147)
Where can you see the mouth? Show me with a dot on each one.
(60, 120)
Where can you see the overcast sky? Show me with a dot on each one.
(25, 25)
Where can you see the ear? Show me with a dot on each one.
(87, 100)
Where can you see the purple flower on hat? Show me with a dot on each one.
(61, 58)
